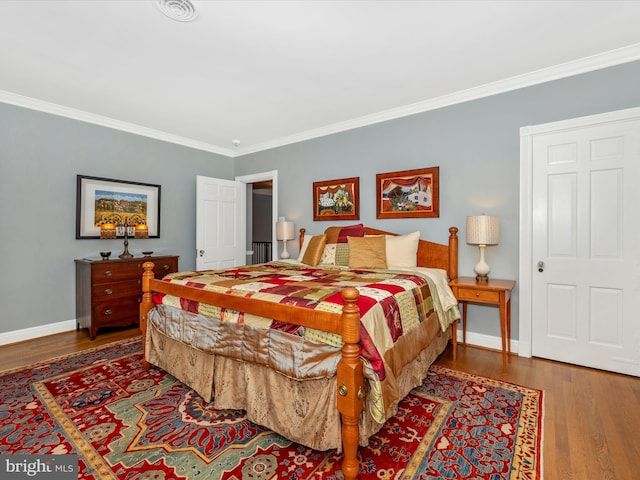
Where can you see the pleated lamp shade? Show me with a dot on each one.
(483, 230)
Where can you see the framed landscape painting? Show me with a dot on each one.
(336, 199)
(408, 193)
(102, 200)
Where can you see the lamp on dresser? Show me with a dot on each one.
(482, 230)
(285, 232)
(111, 230)
(142, 231)
(108, 230)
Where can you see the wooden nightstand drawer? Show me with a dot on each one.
(475, 295)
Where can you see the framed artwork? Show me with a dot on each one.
(126, 204)
(336, 199)
(408, 194)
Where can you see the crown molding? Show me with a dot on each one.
(72, 113)
(576, 67)
(595, 62)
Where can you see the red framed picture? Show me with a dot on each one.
(408, 193)
(336, 199)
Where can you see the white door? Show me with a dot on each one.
(220, 223)
(585, 245)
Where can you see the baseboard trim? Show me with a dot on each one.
(36, 332)
(487, 341)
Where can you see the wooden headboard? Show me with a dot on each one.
(430, 254)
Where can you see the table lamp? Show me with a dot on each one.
(285, 232)
(482, 230)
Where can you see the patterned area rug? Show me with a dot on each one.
(128, 423)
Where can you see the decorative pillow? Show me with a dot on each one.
(340, 234)
(367, 252)
(329, 254)
(350, 231)
(314, 250)
(305, 245)
(402, 250)
(332, 234)
(342, 254)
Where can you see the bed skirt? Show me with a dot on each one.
(302, 411)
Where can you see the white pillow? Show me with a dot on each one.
(402, 250)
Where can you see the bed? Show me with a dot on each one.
(320, 349)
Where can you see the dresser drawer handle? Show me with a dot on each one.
(165, 267)
(477, 294)
(108, 291)
(108, 312)
(108, 273)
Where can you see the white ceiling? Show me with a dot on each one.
(268, 73)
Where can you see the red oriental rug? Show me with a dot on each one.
(127, 423)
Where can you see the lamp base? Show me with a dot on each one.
(482, 269)
(126, 253)
(285, 253)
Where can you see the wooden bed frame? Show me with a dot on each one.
(350, 369)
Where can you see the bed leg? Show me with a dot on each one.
(454, 339)
(350, 384)
(145, 306)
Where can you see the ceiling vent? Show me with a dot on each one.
(180, 10)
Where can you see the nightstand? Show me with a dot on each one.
(492, 292)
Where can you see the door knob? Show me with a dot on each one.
(541, 266)
(201, 252)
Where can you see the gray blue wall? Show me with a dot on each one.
(40, 156)
(475, 144)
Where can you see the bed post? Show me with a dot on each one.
(145, 306)
(453, 253)
(301, 238)
(453, 274)
(350, 383)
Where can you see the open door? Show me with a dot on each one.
(220, 223)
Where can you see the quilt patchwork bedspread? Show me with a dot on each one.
(392, 303)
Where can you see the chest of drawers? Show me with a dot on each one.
(108, 292)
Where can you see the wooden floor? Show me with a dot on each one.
(591, 418)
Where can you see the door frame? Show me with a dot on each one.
(526, 210)
(262, 177)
